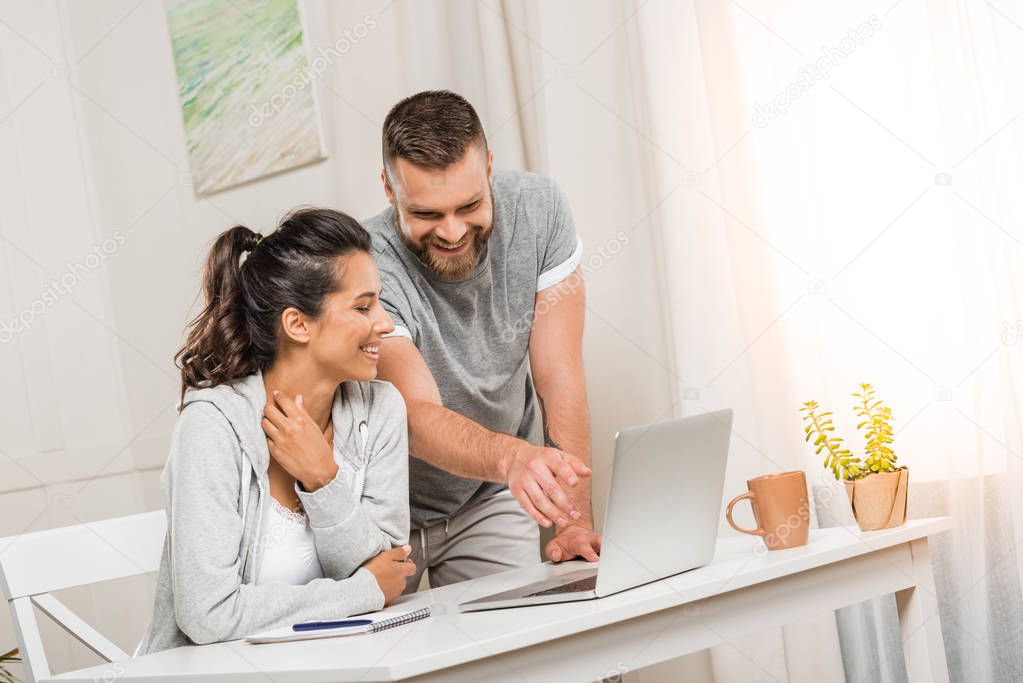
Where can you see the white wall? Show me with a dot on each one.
(99, 148)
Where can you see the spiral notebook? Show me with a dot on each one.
(381, 621)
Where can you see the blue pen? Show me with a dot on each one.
(318, 625)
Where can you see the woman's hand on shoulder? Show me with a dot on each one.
(296, 442)
(391, 569)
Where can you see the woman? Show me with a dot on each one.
(286, 487)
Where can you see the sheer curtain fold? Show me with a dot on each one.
(721, 291)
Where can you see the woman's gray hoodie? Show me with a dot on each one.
(215, 487)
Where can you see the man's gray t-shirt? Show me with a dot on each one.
(474, 332)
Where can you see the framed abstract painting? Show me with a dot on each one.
(248, 110)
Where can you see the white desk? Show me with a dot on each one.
(736, 595)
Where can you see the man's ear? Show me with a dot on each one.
(490, 164)
(388, 190)
(295, 325)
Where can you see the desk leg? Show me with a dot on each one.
(918, 618)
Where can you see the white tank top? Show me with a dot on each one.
(286, 550)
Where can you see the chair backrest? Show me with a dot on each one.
(32, 565)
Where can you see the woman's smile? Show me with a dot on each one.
(371, 351)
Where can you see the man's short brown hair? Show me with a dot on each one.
(431, 129)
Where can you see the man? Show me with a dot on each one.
(480, 275)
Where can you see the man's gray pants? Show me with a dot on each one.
(493, 535)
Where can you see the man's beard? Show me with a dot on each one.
(450, 267)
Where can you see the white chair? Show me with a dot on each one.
(32, 565)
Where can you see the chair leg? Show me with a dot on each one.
(33, 656)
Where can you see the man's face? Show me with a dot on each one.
(445, 216)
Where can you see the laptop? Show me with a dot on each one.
(662, 515)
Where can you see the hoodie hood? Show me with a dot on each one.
(242, 404)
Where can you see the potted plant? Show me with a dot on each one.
(876, 487)
(8, 658)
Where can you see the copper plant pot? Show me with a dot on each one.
(879, 500)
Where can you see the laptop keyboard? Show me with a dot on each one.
(587, 584)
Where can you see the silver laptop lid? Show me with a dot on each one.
(665, 499)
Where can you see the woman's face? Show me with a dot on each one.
(345, 337)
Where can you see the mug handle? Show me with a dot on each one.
(728, 515)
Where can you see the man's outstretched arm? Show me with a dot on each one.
(539, 478)
(556, 359)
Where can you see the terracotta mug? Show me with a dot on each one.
(781, 507)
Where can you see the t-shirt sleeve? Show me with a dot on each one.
(564, 248)
(394, 299)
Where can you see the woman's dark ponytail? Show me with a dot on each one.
(217, 346)
(295, 266)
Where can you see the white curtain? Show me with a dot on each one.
(863, 228)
